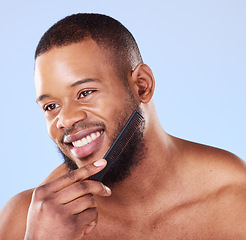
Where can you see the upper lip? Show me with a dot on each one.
(80, 134)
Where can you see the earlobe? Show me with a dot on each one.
(144, 82)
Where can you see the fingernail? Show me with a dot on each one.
(99, 163)
(108, 190)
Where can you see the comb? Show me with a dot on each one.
(120, 143)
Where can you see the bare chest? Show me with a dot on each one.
(167, 231)
(193, 223)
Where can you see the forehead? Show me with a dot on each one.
(65, 65)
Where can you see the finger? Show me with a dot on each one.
(75, 175)
(81, 188)
(80, 204)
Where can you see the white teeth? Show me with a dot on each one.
(93, 136)
(87, 139)
(83, 141)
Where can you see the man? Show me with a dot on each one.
(89, 78)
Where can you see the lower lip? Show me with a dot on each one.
(88, 149)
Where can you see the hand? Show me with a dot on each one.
(65, 208)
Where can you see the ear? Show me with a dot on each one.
(143, 82)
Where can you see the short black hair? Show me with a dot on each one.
(104, 30)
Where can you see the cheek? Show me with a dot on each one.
(52, 130)
(109, 106)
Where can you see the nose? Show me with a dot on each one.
(69, 116)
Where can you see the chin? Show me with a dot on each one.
(71, 165)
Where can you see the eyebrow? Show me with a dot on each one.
(40, 98)
(86, 80)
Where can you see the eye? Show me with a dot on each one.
(86, 93)
(50, 107)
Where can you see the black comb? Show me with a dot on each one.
(120, 143)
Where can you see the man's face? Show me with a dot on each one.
(85, 103)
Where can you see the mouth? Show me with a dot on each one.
(85, 142)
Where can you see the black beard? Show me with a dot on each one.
(127, 161)
(70, 164)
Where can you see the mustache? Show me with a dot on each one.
(81, 126)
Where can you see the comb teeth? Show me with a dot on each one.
(120, 143)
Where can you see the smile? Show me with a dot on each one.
(86, 140)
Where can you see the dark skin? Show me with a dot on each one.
(180, 190)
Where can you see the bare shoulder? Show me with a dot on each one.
(220, 177)
(226, 166)
(14, 214)
(220, 168)
(214, 183)
(211, 170)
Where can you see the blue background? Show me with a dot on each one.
(196, 50)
